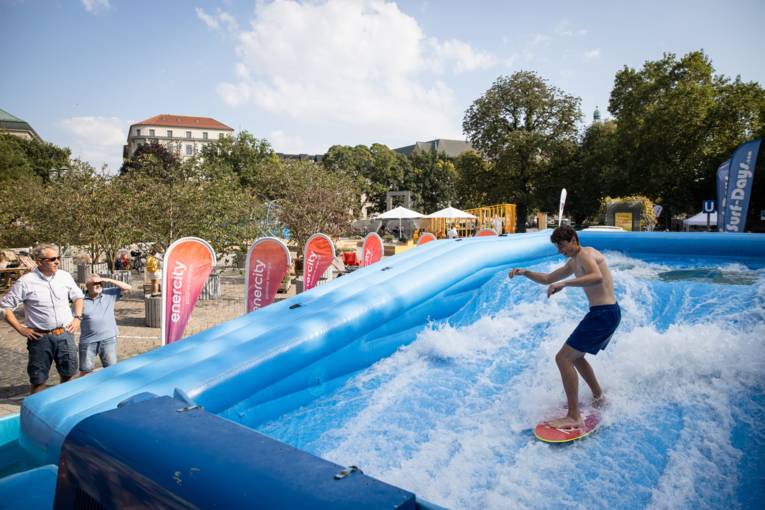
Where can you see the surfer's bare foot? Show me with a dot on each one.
(565, 423)
(599, 402)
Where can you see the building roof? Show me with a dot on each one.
(183, 121)
(452, 148)
(10, 122)
(7, 117)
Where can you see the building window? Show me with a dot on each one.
(189, 150)
(220, 136)
(204, 135)
(169, 133)
(170, 148)
(137, 132)
(188, 135)
(151, 132)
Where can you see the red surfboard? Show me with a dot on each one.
(549, 434)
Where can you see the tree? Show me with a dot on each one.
(474, 185)
(376, 170)
(519, 124)
(19, 157)
(315, 199)
(152, 157)
(433, 180)
(250, 159)
(592, 172)
(190, 203)
(676, 122)
(19, 200)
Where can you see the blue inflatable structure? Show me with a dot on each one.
(257, 367)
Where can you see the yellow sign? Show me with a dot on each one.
(624, 220)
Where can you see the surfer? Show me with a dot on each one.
(593, 333)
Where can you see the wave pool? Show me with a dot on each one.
(449, 416)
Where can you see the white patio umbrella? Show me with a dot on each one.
(399, 213)
(452, 213)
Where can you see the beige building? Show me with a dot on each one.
(182, 135)
(12, 125)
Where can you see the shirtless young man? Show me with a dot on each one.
(594, 332)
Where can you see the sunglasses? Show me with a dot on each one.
(51, 259)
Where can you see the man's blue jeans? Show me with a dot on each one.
(104, 349)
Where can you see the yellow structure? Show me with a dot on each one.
(439, 226)
(501, 217)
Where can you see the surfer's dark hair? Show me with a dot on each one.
(564, 233)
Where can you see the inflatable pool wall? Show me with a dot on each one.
(258, 366)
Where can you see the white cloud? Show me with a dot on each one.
(288, 144)
(540, 40)
(566, 29)
(460, 56)
(361, 63)
(217, 20)
(591, 55)
(97, 140)
(95, 5)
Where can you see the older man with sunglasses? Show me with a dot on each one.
(49, 326)
(99, 327)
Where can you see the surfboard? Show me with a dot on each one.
(549, 434)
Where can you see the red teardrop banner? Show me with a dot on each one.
(317, 257)
(188, 263)
(372, 250)
(425, 237)
(268, 261)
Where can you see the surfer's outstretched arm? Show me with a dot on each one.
(565, 270)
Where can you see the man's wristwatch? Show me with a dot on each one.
(78, 317)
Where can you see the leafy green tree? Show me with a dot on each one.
(250, 159)
(189, 203)
(592, 172)
(152, 157)
(352, 161)
(376, 171)
(474, 185)
(58, 217)
(433, 181)
(676, 122)
(13, 164)
(19, 200)
(315, 200)
(19, 157)
(389, 171)
(520, 124)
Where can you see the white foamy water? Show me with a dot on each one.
(449, 417)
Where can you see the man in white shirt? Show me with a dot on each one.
(49, 324)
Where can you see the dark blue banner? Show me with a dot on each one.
(722, 189)
(740, 177)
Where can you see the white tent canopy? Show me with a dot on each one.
(700, 220)
(399, 213)
(452, 213)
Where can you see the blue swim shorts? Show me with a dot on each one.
(595, 330)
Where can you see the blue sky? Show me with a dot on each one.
(308, 75)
